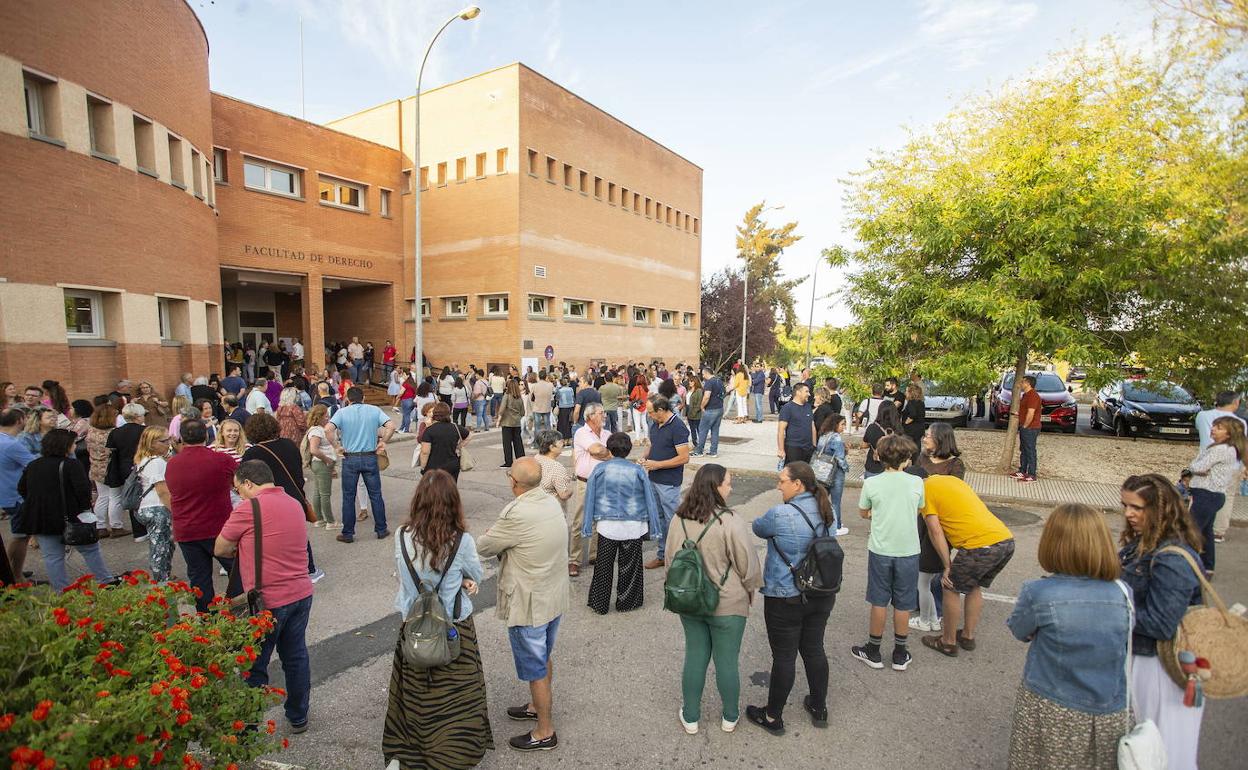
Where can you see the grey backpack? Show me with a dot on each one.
(133, 491)
(428, 638)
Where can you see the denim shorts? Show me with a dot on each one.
(531, 647)
(893, 580)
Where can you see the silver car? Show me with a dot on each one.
(945, 407)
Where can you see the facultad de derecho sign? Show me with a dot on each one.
(306, 256)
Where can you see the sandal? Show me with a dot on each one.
(362, 516)
(574, 570)
(964, 643)
(938, 644)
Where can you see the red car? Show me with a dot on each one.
(1060, 408)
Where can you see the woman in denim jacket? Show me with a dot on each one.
(832, 445)
(1071, 706)
(1163, 585)
(437, 717)
(619, 496)
(795, 623)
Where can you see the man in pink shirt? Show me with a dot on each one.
(589, 447)
(285, 586)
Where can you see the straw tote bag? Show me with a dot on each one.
(1213, 632)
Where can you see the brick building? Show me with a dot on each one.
(148, 220)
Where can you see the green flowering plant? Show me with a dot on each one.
(100, 677)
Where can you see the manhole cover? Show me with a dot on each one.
(733, 439)
(1014, 517)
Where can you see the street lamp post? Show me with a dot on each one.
(418, 359)
(810, 327)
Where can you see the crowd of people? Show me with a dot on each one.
(220, 454)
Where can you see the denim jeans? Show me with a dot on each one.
(495, 401)
(1027, 450)
(669, 500)
(608, 418)
(835, 491)
(541, 421)
(758, 406)
(353, 468)
(694, 423)
(53, 551)
(198, 557)
(287, 637)
(710, 427)
(478, 408)
(405, 408)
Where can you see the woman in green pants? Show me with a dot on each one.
(727, 547)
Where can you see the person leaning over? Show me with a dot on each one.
(620, 499)
(286, 587)
(727, 552)
(957, 518)
(199, 482)
(533, 589)
(795, 623)
(1162, 586)
(437, 717)
(1071, 707)
(891, 500)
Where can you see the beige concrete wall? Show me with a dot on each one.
(12, 100)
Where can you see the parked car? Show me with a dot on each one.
(939, 404)
(1059, 410)
(1140, 408)
(1077, 374)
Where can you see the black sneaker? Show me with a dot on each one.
(527, 742)
(382, 535)
(818, 716)
(758, 715)
(299, 728)
(521, 713)
(869, 654)
(901, 658)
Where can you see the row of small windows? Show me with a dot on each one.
(45, 122)
(276, 178)
(85, 312)
(615, 195)
(441, 171)
(541, 305)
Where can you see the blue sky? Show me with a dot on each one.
(774, 100)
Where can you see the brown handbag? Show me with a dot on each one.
(308, 513)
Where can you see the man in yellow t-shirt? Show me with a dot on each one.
(957, 518)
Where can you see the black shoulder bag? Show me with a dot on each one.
(76, 533)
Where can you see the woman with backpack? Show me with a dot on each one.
(55, 488)
(726, 549)
(795, 622)
(437, 717)
(1162, 586)
(830, 454)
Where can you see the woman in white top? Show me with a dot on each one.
(153, 513)
(397, 375)
(1214, 470)
(320, 458)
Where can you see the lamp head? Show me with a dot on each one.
(470, 13)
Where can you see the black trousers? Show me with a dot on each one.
(564, 422)
(795, 628)
(629, 589)
(793, 454)
(198, 556)
(513, 445)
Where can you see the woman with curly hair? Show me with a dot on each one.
(437, 717)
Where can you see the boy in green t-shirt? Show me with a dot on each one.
(891, 501)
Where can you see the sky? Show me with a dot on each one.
(777, 101)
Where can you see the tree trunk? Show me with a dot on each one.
(1011, 430)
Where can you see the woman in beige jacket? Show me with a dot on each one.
(727, 547)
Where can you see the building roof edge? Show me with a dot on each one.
(304, 120)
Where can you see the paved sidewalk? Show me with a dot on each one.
(751, 447)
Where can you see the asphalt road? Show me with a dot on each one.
(617, 684)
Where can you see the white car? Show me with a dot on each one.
(945, 407)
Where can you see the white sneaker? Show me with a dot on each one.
(842, 531)
(727, 726)
(691, 728)
(221, 571)
(318, 523)
(333, 525)
(918, 624)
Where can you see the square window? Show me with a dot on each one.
(337, 192)
(575, 308)
(36, 111)
(610, 312)
(480, 165)
(500, 161)
(271, 177)
(84, 314)
(385, 203)
(253, 175)
(537, 305)
(100, 124)
(687, 320)
(641, 315)
(144, 145)
(426, 308)
(667, 317)
(457, 307)
(496, 305)
(219, 171)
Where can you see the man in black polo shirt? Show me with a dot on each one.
(587, 394)
(665, 461)
(712, 412)
(795, 437)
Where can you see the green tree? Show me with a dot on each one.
(1085, 213)
(760, 245)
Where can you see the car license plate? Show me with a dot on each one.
(1178, 431)
(1046, 418)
